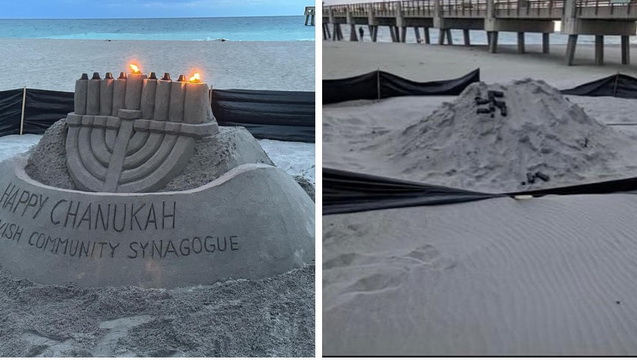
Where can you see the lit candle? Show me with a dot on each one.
(162, 97)
(79, 98)
(196, 101)
(93, 95)
(119, 92)
(149, 87)
(177, 96)
(106, 94)
(134, 89)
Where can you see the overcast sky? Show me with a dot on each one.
(65, 9)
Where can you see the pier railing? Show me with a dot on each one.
(607, 9)
(339, 10)
(537, 9)
(463, 8)
(388, 9)
(385, 9)
(359, 10)
(417, 8)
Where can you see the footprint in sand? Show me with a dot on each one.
(377, 282)
(425, 253)
(349, 259)
(118, 328)
(429, 255)
(48, 345)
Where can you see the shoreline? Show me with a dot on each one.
(213, 40)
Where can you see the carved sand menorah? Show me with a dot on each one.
(135, 133)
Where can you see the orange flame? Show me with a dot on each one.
(195, 78)
(135, 68)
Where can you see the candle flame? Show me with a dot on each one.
(135, 69)
(195, 78)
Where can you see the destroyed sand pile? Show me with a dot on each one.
(471, 144)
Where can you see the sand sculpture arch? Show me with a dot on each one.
(134, 133)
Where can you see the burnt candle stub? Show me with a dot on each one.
(93, 95)
(177, 97)
(119, 92)
(106, 94)
(149, 88)
(196, 103)
(133, 91)
(162, 98)
(81, 89)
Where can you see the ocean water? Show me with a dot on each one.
(266, 28)
(479, 37)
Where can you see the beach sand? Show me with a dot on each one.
(429, 62)
(266, 317)
(56, 64)
(545, 276)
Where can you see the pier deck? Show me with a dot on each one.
(579, 17)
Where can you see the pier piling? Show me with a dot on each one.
(521, 42)
(625, 49)
(599, 49)
(309, 15)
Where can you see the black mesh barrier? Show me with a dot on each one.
(10, 112)
(392, 85)
(381, 85)
(44, 107)
(278, 115)
(617, 85)
(361, 87)
(348, 192)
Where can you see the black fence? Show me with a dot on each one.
(277, 115)
(618, 85)
(347, 192)
(380, 85)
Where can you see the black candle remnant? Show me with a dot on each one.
(166, 76)
(122, 75)
(492, 102)
(530, 178)
(542, 176)
(108, 76)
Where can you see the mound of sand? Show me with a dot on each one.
(462, 145)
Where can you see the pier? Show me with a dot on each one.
(579, 17)
(309, 15)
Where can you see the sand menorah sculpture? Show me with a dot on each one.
(135, 133)
(233, 215)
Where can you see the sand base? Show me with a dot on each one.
(267, 317)
(420, 62)
(549, 276)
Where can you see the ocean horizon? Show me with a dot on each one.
(248, 28)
